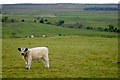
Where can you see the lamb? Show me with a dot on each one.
(36, 53)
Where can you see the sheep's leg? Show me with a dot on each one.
(26, 62)
(29, 63)
(46, 62)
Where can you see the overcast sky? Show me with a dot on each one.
(57, 1)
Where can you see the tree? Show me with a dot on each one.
(35, 21)
(12, 20)
(88, 27)
(4, 19)
(111, 28)
(60, 22)
(45, 21)
(41, 20)
(23, 20)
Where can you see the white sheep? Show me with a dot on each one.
(32, 36)
(43, 35)
(34, 54)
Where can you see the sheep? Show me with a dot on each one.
(27, 37)
(31, 36)
(36, 53)
(43, 35)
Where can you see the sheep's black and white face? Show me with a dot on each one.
(23, 50)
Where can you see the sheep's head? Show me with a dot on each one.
(23, 51)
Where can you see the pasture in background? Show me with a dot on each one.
(21, 20)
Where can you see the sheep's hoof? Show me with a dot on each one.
(27, 68)
(47, 67)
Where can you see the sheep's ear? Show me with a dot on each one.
(19, 49)
(26, 49)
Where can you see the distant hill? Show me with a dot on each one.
(21, 20)
(54, 8)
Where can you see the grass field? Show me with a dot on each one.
(77, 53)
(37, 29)
(27, 28)
(86, 19)
(70, 57)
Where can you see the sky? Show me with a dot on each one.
(57, 1)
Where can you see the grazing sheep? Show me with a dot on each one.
(32, 36)
(43, 35)
(27, 37)
(34, 54)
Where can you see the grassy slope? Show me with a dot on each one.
(37, 29)
(94, 20)
(87, 19)
(73, 57)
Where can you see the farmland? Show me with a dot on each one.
(81, 47)
(70, 57)
(72, 25)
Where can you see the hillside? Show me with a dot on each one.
(77, 20)
(18, 30)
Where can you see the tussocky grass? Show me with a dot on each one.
(70, 57)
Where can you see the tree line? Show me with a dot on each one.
(102, 8)
(60, 22)
(38, 19)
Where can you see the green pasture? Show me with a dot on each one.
(23, 29)
(94, 20)
(77, 53)
(70, 57)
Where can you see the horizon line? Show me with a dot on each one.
(59, 3)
